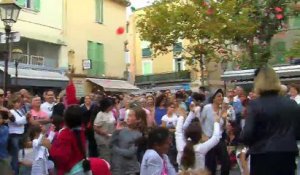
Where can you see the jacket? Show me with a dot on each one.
(65, 150)
(152, 164)
(271, 125)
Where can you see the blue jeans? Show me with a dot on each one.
(14, 147)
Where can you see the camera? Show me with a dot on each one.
(4, 115)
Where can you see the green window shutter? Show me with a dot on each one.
(146, 52)
(100, 59)
(99, 11)
(296, 21)
(91, 55)
(21, 3)
(177, 48)
(37, 5)
(147, 68)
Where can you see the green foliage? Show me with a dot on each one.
(215, 26)
(206, 26)
(294, 52)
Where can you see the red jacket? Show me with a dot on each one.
(65, 151)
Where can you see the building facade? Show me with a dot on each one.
(41, 45)
(95, 35)
(169, 71)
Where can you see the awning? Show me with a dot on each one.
(113, 85)
(248, 75)
(37, 78)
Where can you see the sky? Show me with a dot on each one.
(138, 4)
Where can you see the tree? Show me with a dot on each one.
(271, 16)
(211, 28)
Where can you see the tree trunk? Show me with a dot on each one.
(202, 69)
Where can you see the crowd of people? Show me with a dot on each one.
(160, 133)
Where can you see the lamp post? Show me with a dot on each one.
(9, 12)
(16, 55)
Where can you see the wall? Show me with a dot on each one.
(81, 27)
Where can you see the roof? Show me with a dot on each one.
(241, 75)
(113, 85)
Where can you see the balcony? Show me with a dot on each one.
(183, 76)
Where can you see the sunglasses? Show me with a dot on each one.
(1, 95)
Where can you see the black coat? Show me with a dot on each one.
(272, 125)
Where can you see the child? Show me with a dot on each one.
(4, 157)
(191, 151)
(40, 145)
(155, 160)
(124, 154)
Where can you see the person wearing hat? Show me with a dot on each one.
(207, 123)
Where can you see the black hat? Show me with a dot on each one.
(212, 97)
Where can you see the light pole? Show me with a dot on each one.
(9, 12)
(16, 54)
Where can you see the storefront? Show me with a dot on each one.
(287, 75)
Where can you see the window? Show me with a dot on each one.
(99, 11)
(279, 51)
(37, 60)
(30, 4)
(296, 21)
(177, 48)
(96, 55)
(179, 65)
(147, 67)
(146, 51)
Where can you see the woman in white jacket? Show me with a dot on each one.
(191, 152)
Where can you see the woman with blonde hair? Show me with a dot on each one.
(270, 130)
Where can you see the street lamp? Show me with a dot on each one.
(16, 54)
(9, 12)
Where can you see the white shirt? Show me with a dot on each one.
(201, 148)
(17, 127)
(297, 99)
(39, 151)
(170, 121)
(153, 164)
(47, 108)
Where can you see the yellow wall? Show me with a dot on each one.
(81, 27)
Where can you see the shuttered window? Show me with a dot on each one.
(96, 55)
(99, 11)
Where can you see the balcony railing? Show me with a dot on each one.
(32, 60)
(163, 77)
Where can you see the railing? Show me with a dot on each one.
(32, 60)
(163, 77)
(37, 60)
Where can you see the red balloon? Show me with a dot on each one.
(120, 30)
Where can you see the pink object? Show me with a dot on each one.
(99, 166)
(120, 31)
(37, 115)
(279, 16)
(278, 9)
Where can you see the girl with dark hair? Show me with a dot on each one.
(160, 108)
(155, 160)
(104, 126)
(68, 150)
(191, 150)
(124, 148)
